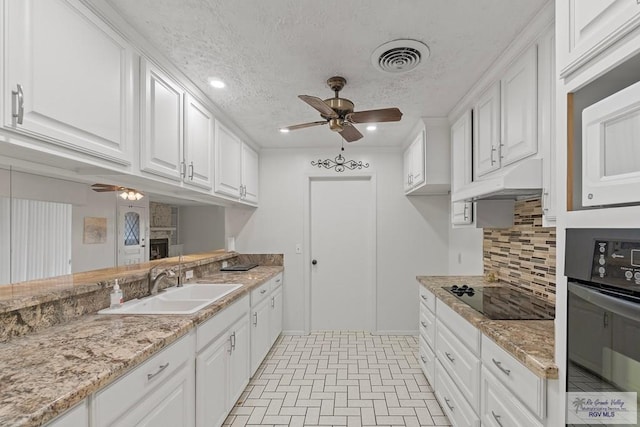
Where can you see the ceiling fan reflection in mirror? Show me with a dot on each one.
(339, 115)
(125, 192)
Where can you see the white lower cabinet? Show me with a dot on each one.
(275, 315)
(266, 319)
(453, 402)
(222, 363)
(500, 408)
(78, 416)
(158, 393)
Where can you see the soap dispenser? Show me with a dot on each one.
(116, 296)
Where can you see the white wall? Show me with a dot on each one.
(413, 232)
(201, 228)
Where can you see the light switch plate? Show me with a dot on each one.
(224, 264)
(188, 274)
(298, 248)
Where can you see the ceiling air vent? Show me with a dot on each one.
(399, 56)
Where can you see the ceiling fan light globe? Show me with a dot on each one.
(124, 195)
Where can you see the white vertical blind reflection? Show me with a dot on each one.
(5, 225)
(41, 239)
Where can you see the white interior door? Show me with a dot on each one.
(342, 237)
(132, 235)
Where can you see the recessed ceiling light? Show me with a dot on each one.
(284, 130)
(216, 83)
(372, 127)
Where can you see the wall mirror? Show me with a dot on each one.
(52, 227)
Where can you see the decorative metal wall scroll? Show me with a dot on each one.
(339, 164)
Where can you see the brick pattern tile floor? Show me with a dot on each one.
(339, 379)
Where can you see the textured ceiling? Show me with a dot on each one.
(269, 51)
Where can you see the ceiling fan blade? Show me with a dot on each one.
(319, 105)
(105, 187)
(305, 125)
(375, 116)
(350, 133)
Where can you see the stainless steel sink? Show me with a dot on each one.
(185, 300)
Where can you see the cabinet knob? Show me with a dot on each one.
(314, 262)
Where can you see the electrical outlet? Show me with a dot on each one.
(224, 264)
(298, 248)
(188, 274)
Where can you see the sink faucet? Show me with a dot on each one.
(154, 280)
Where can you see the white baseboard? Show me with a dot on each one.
(395, 332)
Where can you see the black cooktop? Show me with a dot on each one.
(504, 302)
(239, 267)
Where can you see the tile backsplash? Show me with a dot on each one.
(525, 254)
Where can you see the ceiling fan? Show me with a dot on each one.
(338, 113)
(125, 192)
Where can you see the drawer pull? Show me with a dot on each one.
(255, 318)
(497, 418)
(423, 297)
(423, 359)
(424, 324)
(263, 291)
(449, 356)
(448, 404)
(160, 369)
(499, 365)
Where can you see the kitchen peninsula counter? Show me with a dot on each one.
(529, 341)
(45, 373)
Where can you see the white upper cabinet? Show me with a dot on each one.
(250, 173)
(486, 132)
(236, 167)
(461, 212)
(228, 162)
(162, 123)
(611, 149)
(68, 79)
(519, 95)
(592, 26)
(505, 117)
(198, 144)
(426, 160)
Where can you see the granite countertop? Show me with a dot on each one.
(44, 374)
(529, 341)
(36, 292)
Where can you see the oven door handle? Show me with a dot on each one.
(617, 306)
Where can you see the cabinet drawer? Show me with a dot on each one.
(78, 416)
(457, 409)
(276, 281)
(499, 406)
(117, 398)
(465, 331)
(260, 293)
(427, 361)
(462, 365)
(427, 298)
(523, 383)
(219, 323)
(428, 326)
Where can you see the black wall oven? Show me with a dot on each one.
(603, 318)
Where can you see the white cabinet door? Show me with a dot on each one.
(250, 173)
(198, 144)
(228, 170)
(275, 320)
(486, 132)
(78, 416)
(212, 384)
(162, 123)
(611, 149)
(461, 213)
(519, 95)
(418, 160)
(547, 124)
(407, 165)
(259, 333)
(461, 158)
(239, 365)
(71, 74)
(595, 25)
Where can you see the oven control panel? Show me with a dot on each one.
(616, 262)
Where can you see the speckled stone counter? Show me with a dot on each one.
(45, 373)
(529, 341)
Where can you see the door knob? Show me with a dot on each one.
(314, 262)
